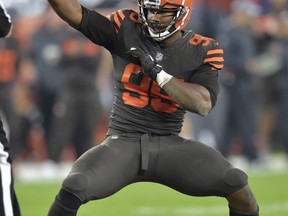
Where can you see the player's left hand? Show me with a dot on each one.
(149, 66)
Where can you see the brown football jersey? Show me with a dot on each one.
(140, 105)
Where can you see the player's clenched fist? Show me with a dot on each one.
(149, 66)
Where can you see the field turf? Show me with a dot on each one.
(149, 199)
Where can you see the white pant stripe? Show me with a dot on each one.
(5, 168)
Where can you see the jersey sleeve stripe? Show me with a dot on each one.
(117, 21)
(216, 51)
(214, 59)
(121, 14)
(117, 18)
(114, 22)
(217, 65)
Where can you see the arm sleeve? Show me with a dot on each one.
(98, 29)
(207, 74)
(5, 21)
(207, 77)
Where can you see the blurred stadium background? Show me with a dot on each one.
(51, 68)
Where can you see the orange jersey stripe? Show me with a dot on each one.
(217, 66)
(116, 18)
(117, 21)
(216, 51)
(121, 14)
(214, 59)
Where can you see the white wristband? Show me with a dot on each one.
(163, 78)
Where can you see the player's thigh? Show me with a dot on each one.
(104, 169)
(193, 168)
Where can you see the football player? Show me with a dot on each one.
(8, 201)
(161, 70)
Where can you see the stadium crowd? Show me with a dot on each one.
(56, 91)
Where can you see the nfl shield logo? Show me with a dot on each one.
(159, 57)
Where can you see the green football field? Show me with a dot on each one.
(149, 199)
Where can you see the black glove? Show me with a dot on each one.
(149, 67)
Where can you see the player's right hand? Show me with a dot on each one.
(149, 66)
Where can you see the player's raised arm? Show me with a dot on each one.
(70, 11)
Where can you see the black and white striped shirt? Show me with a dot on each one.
(5, 21)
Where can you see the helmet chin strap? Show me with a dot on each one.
(162, 35)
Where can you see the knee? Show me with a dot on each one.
(76, 184)
(241, 199)
(235, 179)
(65, 204)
